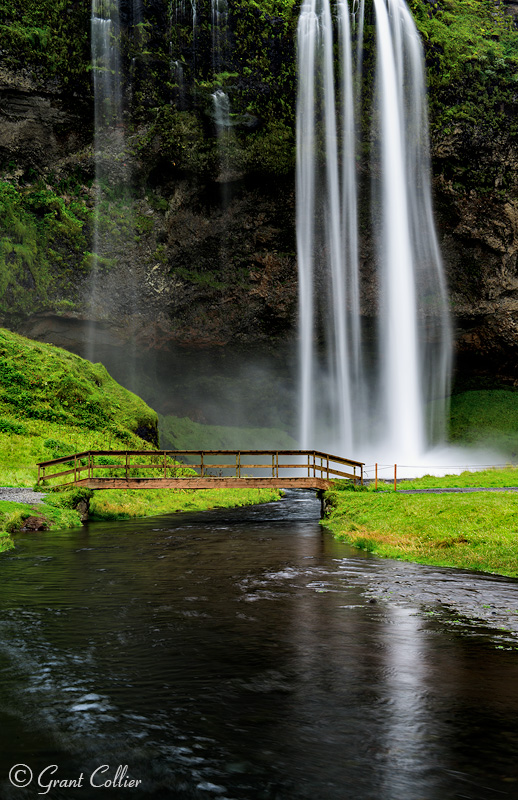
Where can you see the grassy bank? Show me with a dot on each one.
(182, 433)
(493, 477)
(13, 517)
(58, 510)
(477, 531)
(486, 418)
(53, 403)
(113, 504)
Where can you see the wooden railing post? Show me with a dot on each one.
(75, 469)
(238, 464)
(277, 463)
(127, 465)
(201, 464)
(327, 465)
(273, 465)
(165, 464)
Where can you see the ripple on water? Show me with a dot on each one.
(117, 658)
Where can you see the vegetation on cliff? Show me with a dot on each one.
(50, 39)
(42, 248)
(472, 59)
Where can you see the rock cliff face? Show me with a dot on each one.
(479, 239)
(38, 128)
(202, 254)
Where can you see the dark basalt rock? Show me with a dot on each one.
(36, 524)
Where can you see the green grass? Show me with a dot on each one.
(116, 504)
(53, 403)
(477, 531)
(181, 433)
(486, 418)
(494, 477)
(13, 516)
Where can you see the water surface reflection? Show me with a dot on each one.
(238, 654)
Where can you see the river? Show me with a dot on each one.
(246, 655)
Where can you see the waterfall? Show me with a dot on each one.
(178, 78)
(219, 22)
(105, 63)
(221, 110)
(137, 12)
(107, 119)
(327, 228)
(359, 396)
(226, 143)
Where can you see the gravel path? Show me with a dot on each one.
(21, 495)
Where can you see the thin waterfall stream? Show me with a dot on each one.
(108, 136)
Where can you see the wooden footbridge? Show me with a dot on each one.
(198, 469)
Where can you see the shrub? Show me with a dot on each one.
(6, 426)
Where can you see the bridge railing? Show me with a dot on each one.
(104, 466)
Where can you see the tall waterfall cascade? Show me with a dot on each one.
(219, 23)
(112, 174)
(107, 118)
(105, 62)
(364, 391)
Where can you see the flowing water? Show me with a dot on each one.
(385, 396)
(108, 143)
(239, 654)
(219, 24)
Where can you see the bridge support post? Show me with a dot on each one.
(323, 504)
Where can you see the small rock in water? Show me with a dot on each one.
(35, 524)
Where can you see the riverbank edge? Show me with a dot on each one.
(472, 532)
(62, 510)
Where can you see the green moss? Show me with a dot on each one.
(488, 417)
(183, 143)
(271, 150)
(42, 244)
(472, 56)
(181, 433)
(62, 404)
(52, 37)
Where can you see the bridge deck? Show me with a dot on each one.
(204, 483)
(198, 469)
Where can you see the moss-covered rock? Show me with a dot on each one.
(40, 383)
